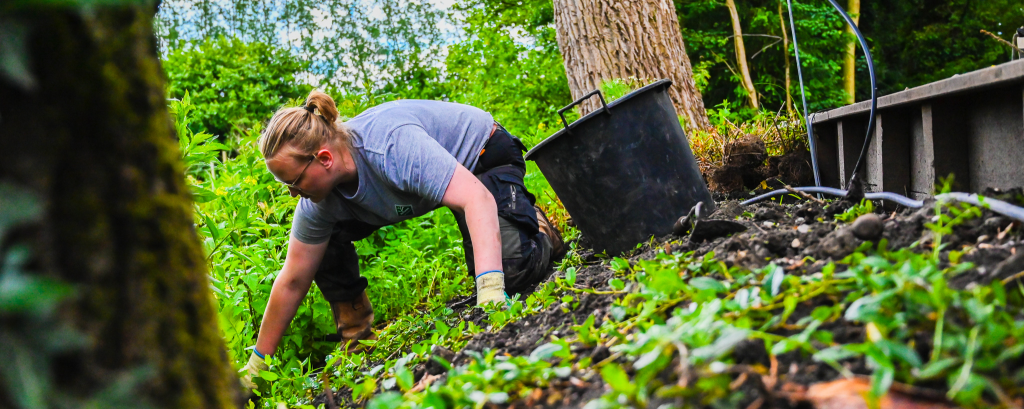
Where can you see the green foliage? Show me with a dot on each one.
(707, 31)
(234, 83)
(508, 64)
(916, 42)
(617, 88)
(864, 207)
(488, 378)
(364, 46)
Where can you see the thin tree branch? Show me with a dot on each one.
(1000, 40)
(779, 40)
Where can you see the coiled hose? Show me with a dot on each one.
(995, 205)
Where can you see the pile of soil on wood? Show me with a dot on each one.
(746, 164)
(783, 234)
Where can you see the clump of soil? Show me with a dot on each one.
(746, 164)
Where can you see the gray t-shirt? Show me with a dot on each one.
(405, 154)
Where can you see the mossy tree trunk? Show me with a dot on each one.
(87, 131)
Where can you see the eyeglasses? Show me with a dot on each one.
(295, 184)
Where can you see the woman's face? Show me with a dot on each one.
(306, 177)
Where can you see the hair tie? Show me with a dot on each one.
(308, 108)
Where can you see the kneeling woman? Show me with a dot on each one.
(393, 162)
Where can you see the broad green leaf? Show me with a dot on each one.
(405, 380)
(775, 279)
(648, 357)
(881, 380)
(708, 283)
(268, 376)
(936, 368)
(833, 354)
(386, 400)
(729, 338)
(617, 379)
(545, 351)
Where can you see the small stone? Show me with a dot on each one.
(804, 228)
(799, 220)
(766, 214)
(768, 224)
(796, 243)
(838, 244)
(996, 221)
(868, 227)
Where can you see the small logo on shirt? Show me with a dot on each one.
(403, 210)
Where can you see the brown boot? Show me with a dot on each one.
(557, 246)
(354, 320)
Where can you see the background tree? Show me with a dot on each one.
(85, 131)
(917, 42)
(355, 45)
(850, 58)
(603, 40)
(787, 78)
(237, 82)
(508, 64)
(707, 29)
(741, 54)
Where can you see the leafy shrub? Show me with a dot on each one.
(519, 77)
(234, 83)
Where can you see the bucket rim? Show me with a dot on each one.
(662, 83)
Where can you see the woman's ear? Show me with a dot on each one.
(325, 157)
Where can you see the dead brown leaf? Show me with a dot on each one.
(852, 393)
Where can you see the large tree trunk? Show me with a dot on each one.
(741, 54)
(850, 57)
(85, 129)
(602, 40)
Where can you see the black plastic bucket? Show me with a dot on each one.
(624, 172)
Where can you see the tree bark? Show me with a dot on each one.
(850, 56)
(785, 54)
(89, 135)
(603, 40)
(741, 55)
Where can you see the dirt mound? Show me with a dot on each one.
(746, 164)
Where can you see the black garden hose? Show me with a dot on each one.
(874, 96)
(997, 206)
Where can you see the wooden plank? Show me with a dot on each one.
(1000, 75)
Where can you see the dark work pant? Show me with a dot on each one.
(525, 251)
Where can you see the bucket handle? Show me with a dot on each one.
(561, 112)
